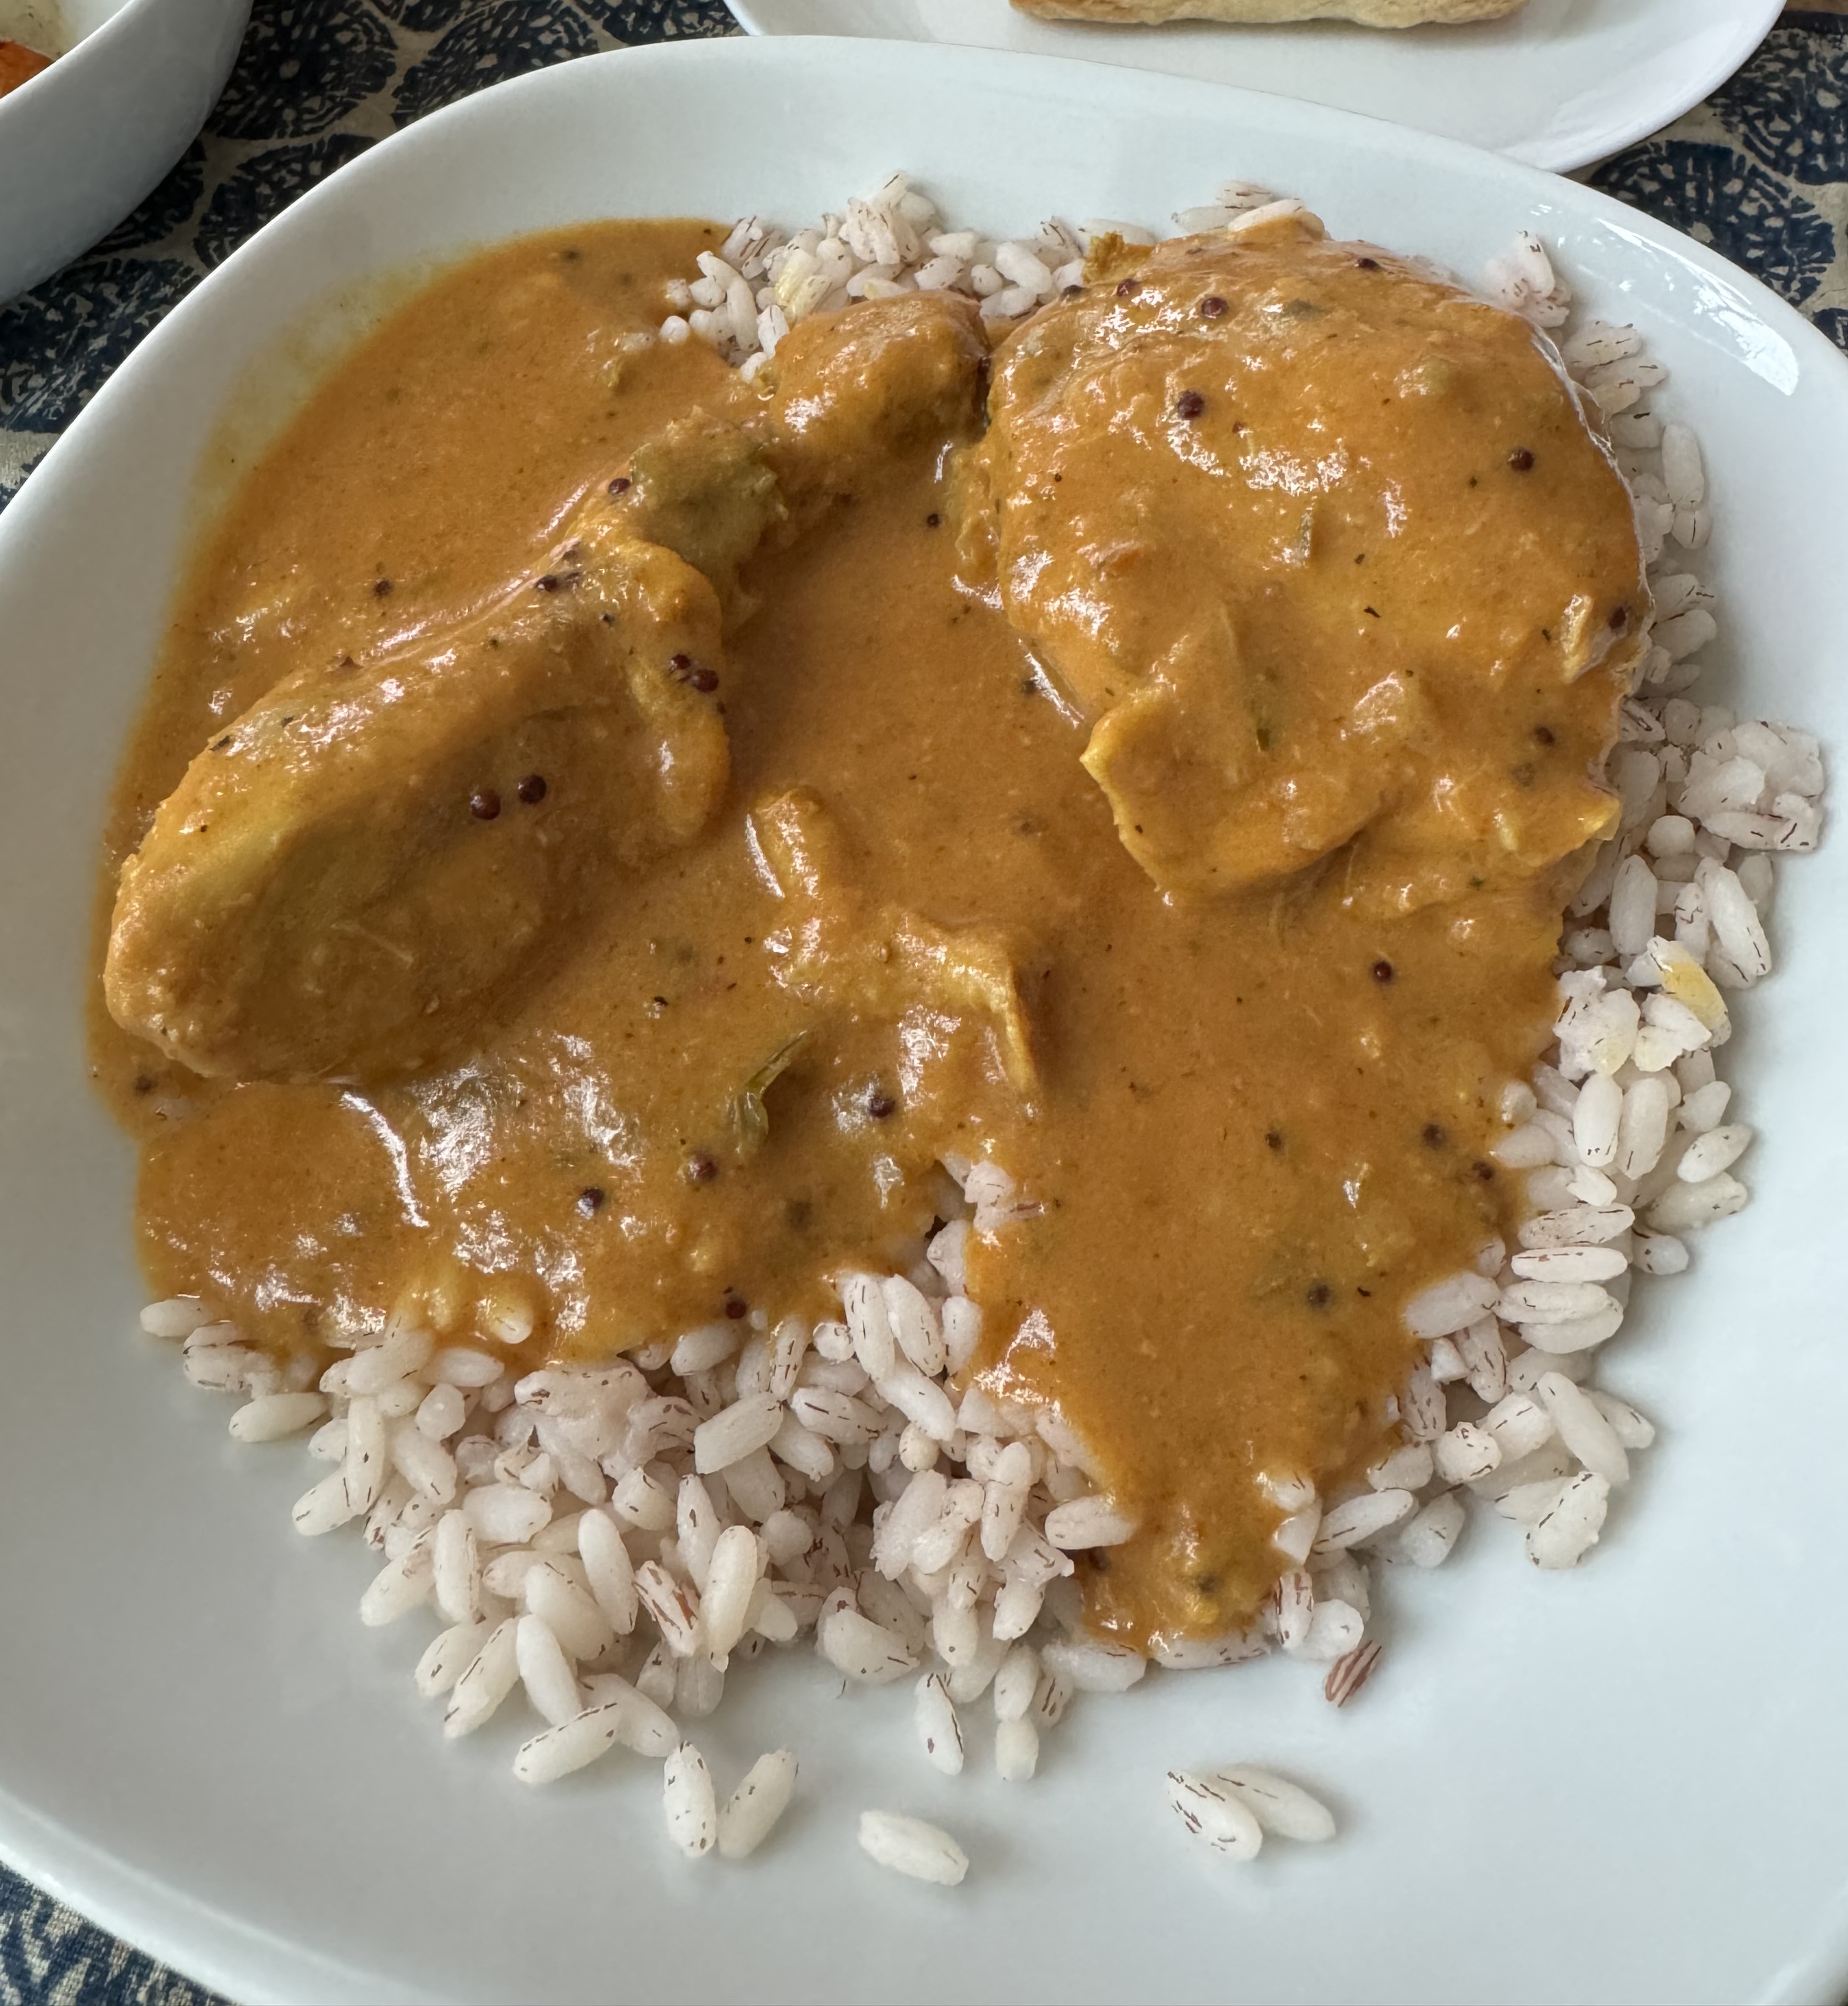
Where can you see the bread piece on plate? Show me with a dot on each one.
(1370, 13)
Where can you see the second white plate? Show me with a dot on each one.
(1561, 84)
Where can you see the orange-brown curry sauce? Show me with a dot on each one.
(1257, 1119)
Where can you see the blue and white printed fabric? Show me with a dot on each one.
(317, 82)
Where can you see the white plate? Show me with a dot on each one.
(1618, 1785)
(1562, 84)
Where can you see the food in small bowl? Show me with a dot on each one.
(19, 64)
(84, 138)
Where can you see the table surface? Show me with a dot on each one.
(1759, 171)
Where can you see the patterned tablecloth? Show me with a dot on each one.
(1760, 171)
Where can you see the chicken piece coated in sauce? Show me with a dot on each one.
(847, 393)
(839, 951)
(349, 876)
(844, 395)
(347, 879)
(703, 487)
(1328, 555)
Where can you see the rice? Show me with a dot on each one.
(908, 1845)
(1215, 1814)
(750, 1814)
(1280, 1806)
(1016, 1750)
(686, 1793)
(616, 1542)
(938, 1729)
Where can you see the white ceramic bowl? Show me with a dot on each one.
(86, 139)
(1621, 1785)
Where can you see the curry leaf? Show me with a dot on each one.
(750, 1118)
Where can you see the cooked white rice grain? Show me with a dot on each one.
(711, 1344)
(1295, 1537)
(459, 1367)
(1085, 1522)
(917, 1507)
(915, 1325)
(1362, 1517)
(748, 1424)
(1583, 1428)
(731, 1577)
(1466, 1452)
(1196, 1654)
(1015, 1682)
(441, 1412)
(450, 1653)
(771, 1617)
(698, 1686)
(545, 1670)
(1633, 1429)
(485, 1683)
(177, 1316)
(1429, 1537)
(1016, 1750)
(673, 1605)
(1280, 1806)
(1293, 1598)
(865, 1651)
(1570, 1264)
(863, 1302)
(1422, 1406)
(1716, 1150)
(609, 1570)
(457, 1582)
(1576, 1333)
(835, 1418)
(939, 1729)
(1334, 1629)
(1683, 1207)
(1348, 1675)
(1450, 1305)
(371, 1370)
(687, 1797)
(504, 1514)
(908, 1846)
(571, 1745)
(1568, 1529)
(639, 1500)
(506, 1574)
(1094, 1667)
(327, 1505)
(1017, 1607)
(224, 1368)
(328, 1444)
(424, 1464)
(1217, 1816)
(1553, 1302)
(750, 1814)
(1409, 1466)
(566, 1610)
(270, 1417)
(642, 1724)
